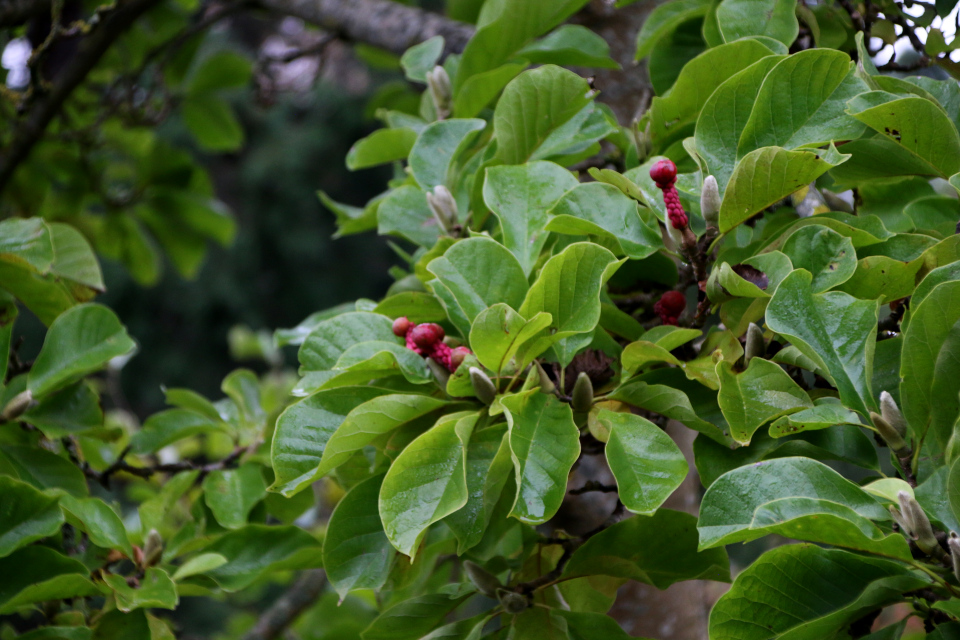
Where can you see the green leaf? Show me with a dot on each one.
(916, 125)
(257, 549)
(404, 212)
(243, 387)
(829, 589)
(540, 623)
(602, 209)
(329, 339)
(833, 329)
(768, 175)
(43, 469)
(480, 272)
(232, 493)
(667, 401)
(729, 511)
(568, 288)
(771, 18)
(488, 467)
(73, 257)
(380, 147)
(499, 331)
(478, 90)
(411, 619)
(826, 254)
(166, 427)
(213, 123)
(419, 306)
(117, 625)
(437, 147)
(665, 19)
(754, 397)
(520, 197)
(26, 515)
(646, 463)
(570, 45)
(356, 552)
(199, 565)
(534, 105)
(100, 521)
(302, 433)
(73, 410)
(420, 58)
(38, 574)
(80, 341)
(882, 278)
(156, 590)
(953, 490)
(929, 382)
(371, 419)
(222, 70)
(657, 550)
(823, 416)
(427, 482)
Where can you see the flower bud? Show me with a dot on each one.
(835, 202)
(482, 386)
(486, 582)
(439, 372)
(512, 602)
(919, 525)
(546, 384)
(891, 413)
(890, 435)
(18, 405)
(443, 206)
(582, 398)
(152, 548)
(754, 345)
(710, 201)
(441, 91)
(954, 543)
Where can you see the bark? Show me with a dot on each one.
(381, 23)
(282, 613)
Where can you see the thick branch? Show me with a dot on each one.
(29, 129)
(17, 12)
(291, 604)
(381, 23)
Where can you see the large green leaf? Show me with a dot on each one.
(771, 18)
(826, 254)
(754, 500)
(426, 482)
(520, 197)
(411, 619)
(356, 552)
(545, 443)
(156, 590)
(570, 45)
(370, 420)
(604, 210)
(833, 329)
(80, 341)
(404, 212)
(302, 433)
(480, 272)
(73, 257)
(166, 427)
(657, 550)
(665, 19)
(534, 105)
(256, 549)
(761, 393)
(499, 331)
(953, 489)
(828, 590)
(827, 413)
(916, 125)
(568, 288)
(929, 378)
(646, 463)
(437, 148)
(767, 175)
(43, 469)
(380, 147)
(100, 521)
(667, 401)
(232, 493)
(37, 574)
(26, 515)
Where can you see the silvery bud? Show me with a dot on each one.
(546, 384)
(443, 206)
(582, 398)
(152, 548)
(954, 543)
(439, 372)
(18, 405)
(482, 386)
(891, 413)
(890, 435)
(710, 202)
(754, 346)
(441, 91)
(486, 582)
(835, 202)
(919, 525)
(512, 602)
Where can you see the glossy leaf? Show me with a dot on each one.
(166, 427)
(499, 331)
(771, 18)
(27, 515)
(823, 416)
(663, 20)
(156, 590)
(38, 574)
(232, 493)
(823, 252)
(570, 45)
(42, 469)
(257, 549)
(437, 147)
(100, 521)
(380, 147)
(410, 619)
(761, 393)
(667, 401)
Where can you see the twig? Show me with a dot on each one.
(282, 613)
(593, 485)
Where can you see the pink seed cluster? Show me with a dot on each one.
(427, 340)
(664, 174)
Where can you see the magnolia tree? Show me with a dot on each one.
(766, 258)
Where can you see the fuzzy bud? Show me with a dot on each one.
(512, 602)
(439, 372)
(891, 413)
(582, 397)
(18, 405)
(710, 201)
(441, 91)
(835, 202)
(482, 386)
(486, 582)
(754, 346)
(890, 435)
(443, 206)
(919, 525)
(152, 548)
(546, 384)
(954, 543)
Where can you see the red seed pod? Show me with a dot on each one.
(426, 335)
(664, 173)
(457, 356)
(401, 326)
(670, 306)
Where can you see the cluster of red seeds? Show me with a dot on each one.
(664, 173)
(669, 307)
(427, 340)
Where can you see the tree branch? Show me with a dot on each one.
(281, 614)
(381, 23)
(31, 127)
